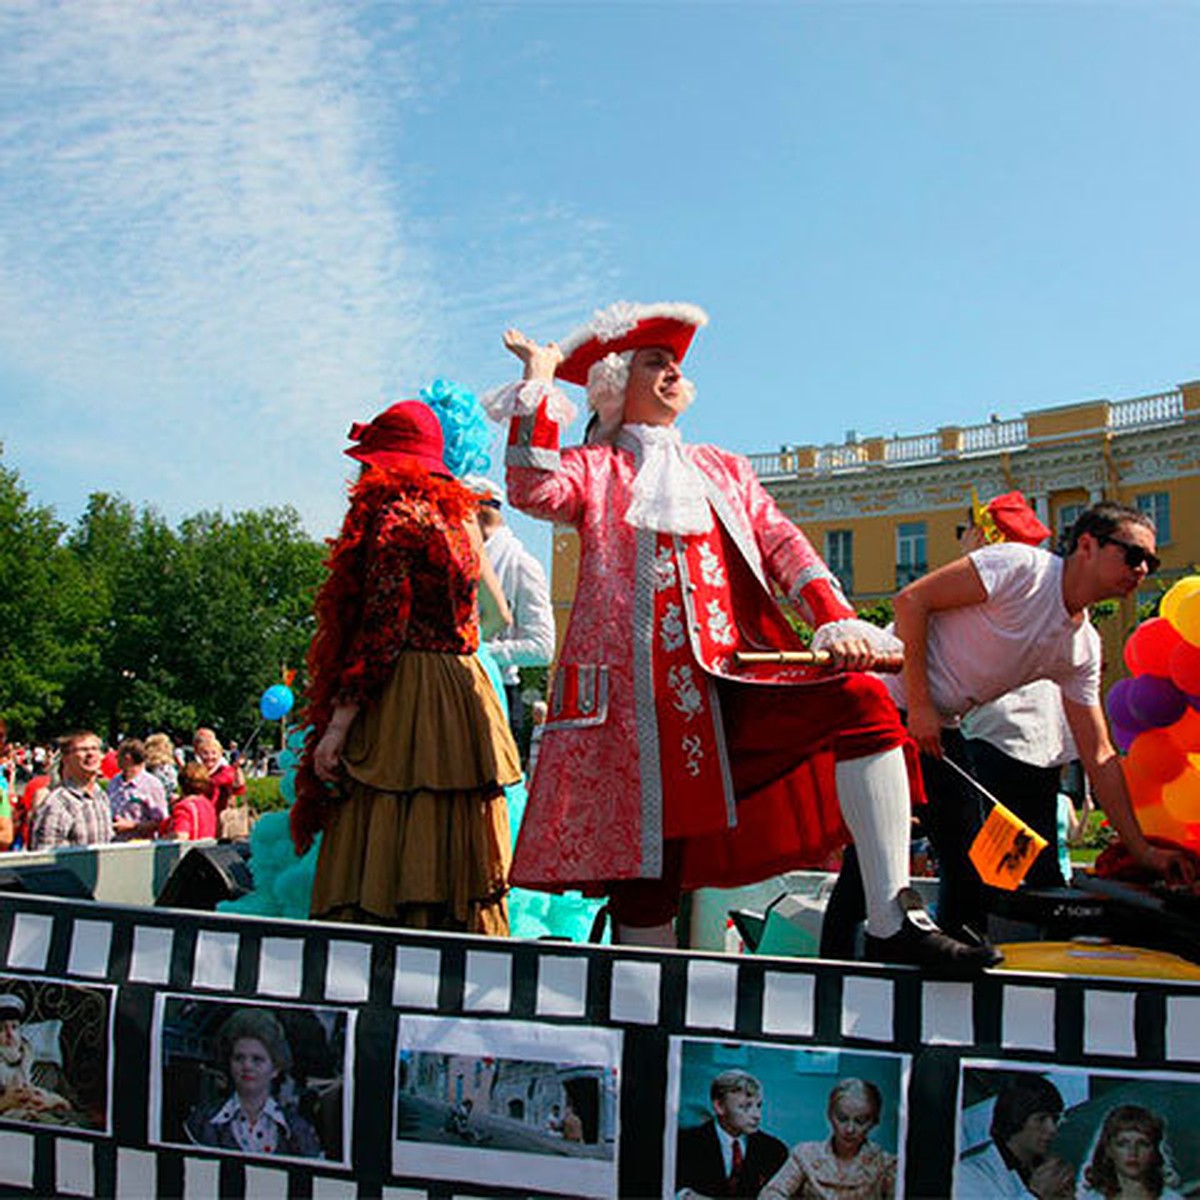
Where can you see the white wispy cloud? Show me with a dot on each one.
(204, 234)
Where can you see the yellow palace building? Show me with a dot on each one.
(883, 511)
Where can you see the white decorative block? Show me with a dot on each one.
(266, 1183)
(947, 1014)
(151, 959)
(487, 985)
(74, 1169)
(1108, 1023)
(201, 1178)
(1183, 1029)
(327, 1188)
(16, 1159)
(562, 986)
(711, 994)
(1027, 1020)
(418, 973)
(91, 942)
(281, 967)
(788, 1003)
(30, 945)
(137, 1174)
(348, 972)
(635, 992)
(215, 964)
(867, 1003)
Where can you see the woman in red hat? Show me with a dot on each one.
(409, 752)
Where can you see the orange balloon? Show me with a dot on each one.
(1143, 792)
(1155, 821)
(1157, 756)
(1186, 731)
(1181, 797)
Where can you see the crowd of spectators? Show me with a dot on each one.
(78, 792)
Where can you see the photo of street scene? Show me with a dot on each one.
(507, 1102)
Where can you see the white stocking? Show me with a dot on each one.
(660, 936)
(873, 793)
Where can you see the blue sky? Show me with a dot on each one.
(229, 229)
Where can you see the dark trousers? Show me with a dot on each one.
(1032, 793)
(952, 816)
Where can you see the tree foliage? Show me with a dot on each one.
(126, 625)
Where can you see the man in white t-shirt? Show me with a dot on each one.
(1002, 617)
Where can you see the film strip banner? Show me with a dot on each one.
(442, 1065)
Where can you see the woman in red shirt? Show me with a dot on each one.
(193, 815)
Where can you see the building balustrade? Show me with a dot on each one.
(1140, 412)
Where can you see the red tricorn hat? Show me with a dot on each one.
(1016, 521)
(625, 326)
(406, 435)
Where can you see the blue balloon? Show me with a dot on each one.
(276, 702)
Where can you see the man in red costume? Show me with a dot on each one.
(664, 766)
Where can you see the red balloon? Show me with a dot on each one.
(1185, 667)
(1157, 756)
(1149, 648)
(108, 764)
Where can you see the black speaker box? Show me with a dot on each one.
(44, 880)
(206, 875)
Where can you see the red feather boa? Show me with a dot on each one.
(339, 606)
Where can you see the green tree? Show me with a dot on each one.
(41, 610)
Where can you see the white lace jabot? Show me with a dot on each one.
(668, 490)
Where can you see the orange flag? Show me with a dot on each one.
(1004, 849)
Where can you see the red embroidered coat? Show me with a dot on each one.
(633, 750)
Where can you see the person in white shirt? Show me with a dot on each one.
(529, 640)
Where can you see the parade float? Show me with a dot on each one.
(435, 1065)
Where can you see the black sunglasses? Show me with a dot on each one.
(1134, 555)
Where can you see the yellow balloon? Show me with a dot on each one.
(1187, 618)
(1181, 797)
(1176, 594)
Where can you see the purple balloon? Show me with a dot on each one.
(1117, 703)
(1122, 737)
(1155, 701)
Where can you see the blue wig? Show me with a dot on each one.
(464, 426)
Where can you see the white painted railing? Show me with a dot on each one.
(1160, 409)
(1141, 412)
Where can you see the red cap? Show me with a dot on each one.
(407, 434)
(625, 326)
(1016, 520)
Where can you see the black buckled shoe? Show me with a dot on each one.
(920, 943)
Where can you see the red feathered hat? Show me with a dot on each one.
(625, 326)
(407, 434)
(1016, 521)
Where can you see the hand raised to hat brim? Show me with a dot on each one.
(541, 361)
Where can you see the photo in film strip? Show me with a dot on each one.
(250, 1079)
(508, 1103)
(1074, 1131)
(788, 1105)
(56, 1060)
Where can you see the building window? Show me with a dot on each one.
(839, 555)
(1157, 506)
(1068, 514)
(912, 559)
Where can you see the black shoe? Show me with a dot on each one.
(920, 943)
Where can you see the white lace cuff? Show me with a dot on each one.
(521, 399)
(882, 641)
